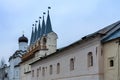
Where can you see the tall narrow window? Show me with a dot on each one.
(90, 59)
(44, 43)
(43, 71)
(51, 69)
(40, 68)
(71, 64)
(39, 43)
(58, 68)
(37, 72)
(16, 73)
(32, 73)
(24, 70)
(111, 61)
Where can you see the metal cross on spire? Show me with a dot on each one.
(33, 25)
(39, 18)
(23, 32)
(49, 9)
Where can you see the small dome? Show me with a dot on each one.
(23, 39)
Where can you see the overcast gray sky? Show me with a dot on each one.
(71, 19)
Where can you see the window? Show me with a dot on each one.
(111, 61)
(37, 72)
(44, 41)
(51, 69)
(90, 59)
(40, 68)
(6, 75)
(58, 68)
(28, 68)
(16, 73)
(43, 71)
(39, 42)
(24, 70)
(71, 64)
(32, 73)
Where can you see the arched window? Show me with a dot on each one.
(37, 72)
(71, 64)
(39, 42)
(90, 59)
(43, 71)
(44, 41)
(40, 68)
(32, 73)
(111, 63)
(51, 69)
(58, 68)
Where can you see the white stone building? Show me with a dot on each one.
(43, 42)
(15, 59)
(4, 70)
(94, 57)
(71, 63)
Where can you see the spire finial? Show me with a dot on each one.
(33, 25)
(39, 19)
(23, 33)
(36, 23)
(49, 9)
(43, 14)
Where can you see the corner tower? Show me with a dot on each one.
(51, 36)
(46, 39)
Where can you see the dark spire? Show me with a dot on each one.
(48, 23)
(43, 26)
(35, 31)
(33, 39)
(39, 29)
(32, 34)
